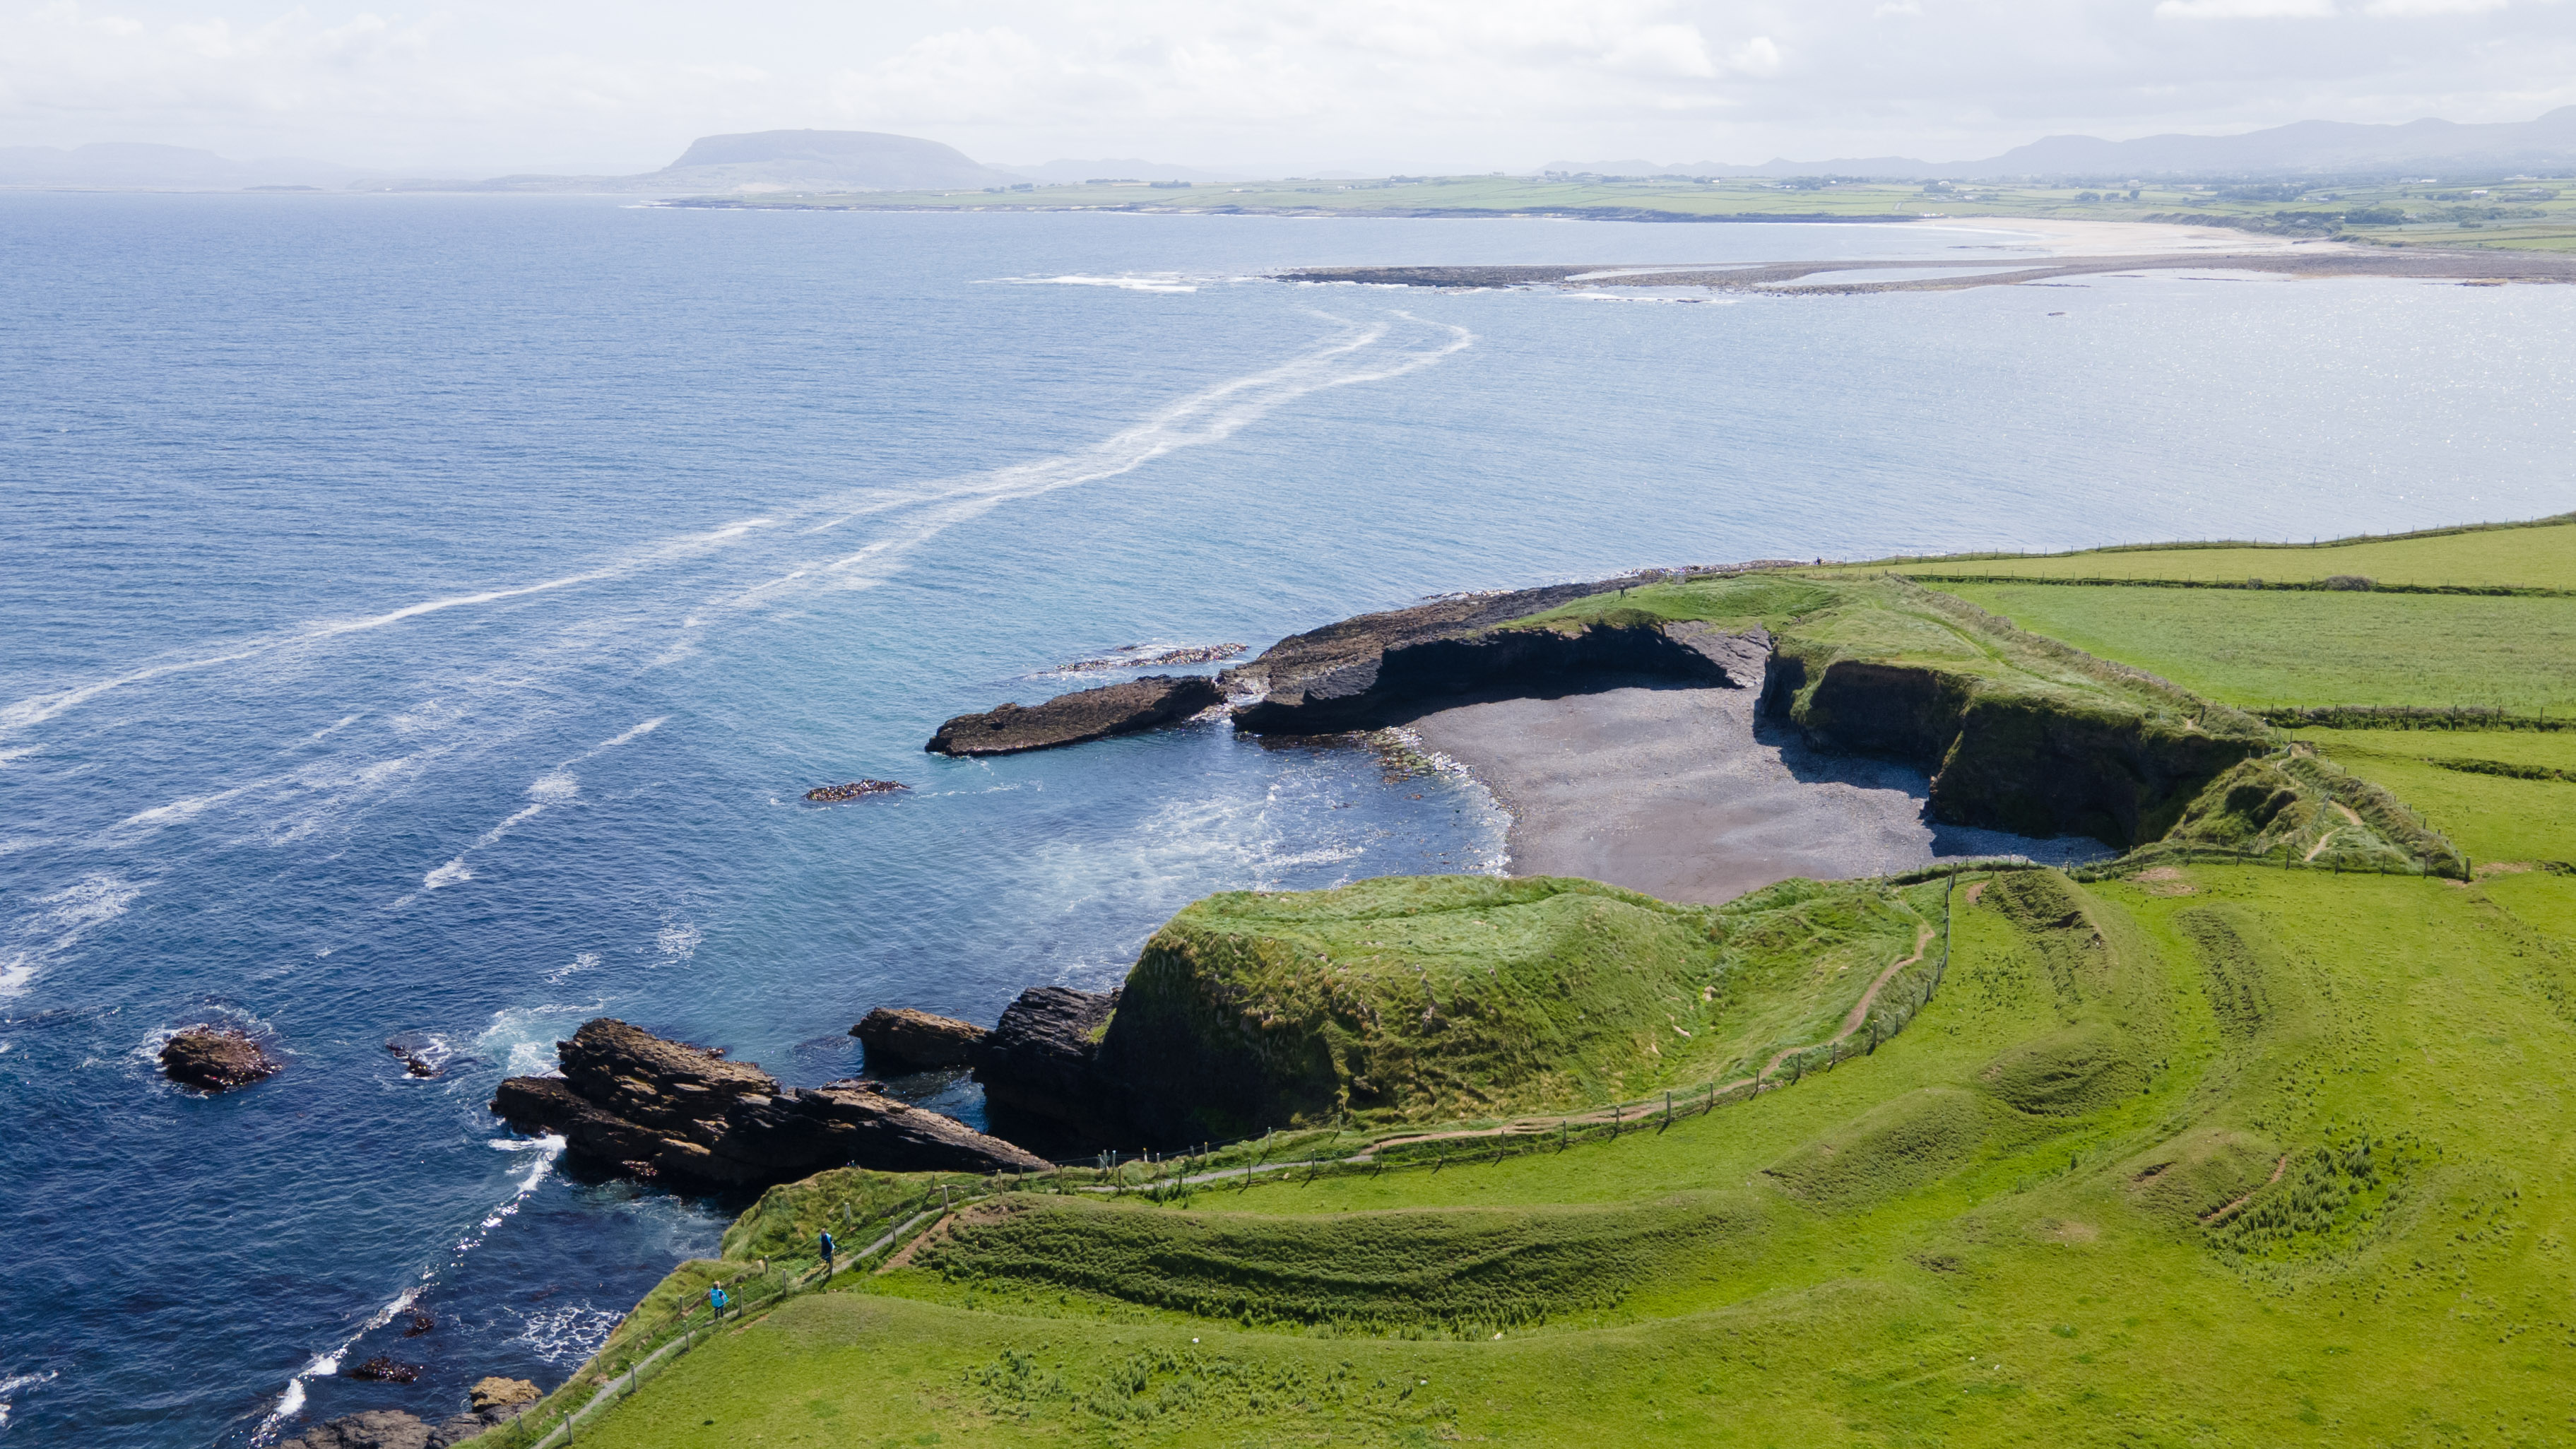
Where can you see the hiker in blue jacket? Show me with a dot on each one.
(827, 1252)
(716, 1298)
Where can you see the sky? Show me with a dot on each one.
(478, 87)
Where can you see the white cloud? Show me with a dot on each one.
(2245, 9)
(484, 86)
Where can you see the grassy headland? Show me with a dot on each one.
(2183, 1153)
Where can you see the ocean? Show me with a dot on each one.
(423, 616)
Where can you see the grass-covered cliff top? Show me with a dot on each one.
(2539, 554)
(1889, 620)
(1444, 997)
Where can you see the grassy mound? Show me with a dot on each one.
(1471, 1269)
(1451, 997)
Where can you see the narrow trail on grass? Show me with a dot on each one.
(2220, 1216)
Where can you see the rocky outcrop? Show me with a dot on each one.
(1042, 1060)
(654, 1106)
(854, 790)
(496, 1392)
(1070, 719)
(1381, 669)
(383, 1369)
(216, 1059)
(394, 1429)
(374, 1429)
(900, 1039)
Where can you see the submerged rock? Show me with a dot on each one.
(384, 1370)
(900, 1038)
(652, 1106)
(855, 790)
(1070, 719)
(216, 1059)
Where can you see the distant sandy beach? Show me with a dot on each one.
(1676, 793)
(2043, 236)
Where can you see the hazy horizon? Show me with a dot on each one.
(479, 89)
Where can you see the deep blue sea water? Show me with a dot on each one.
(420, 616)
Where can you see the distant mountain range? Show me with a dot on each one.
(2305, 148)
(753, 161)
(758, 161)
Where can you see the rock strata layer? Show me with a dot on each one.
(1070, 719)
(216, 1059)
(1042, 1060)
(653, 1106)
(899, 1038)
(1381, 669)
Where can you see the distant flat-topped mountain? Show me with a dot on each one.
(771, 161)
(2302, 148)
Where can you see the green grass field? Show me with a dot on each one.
(2194, 1155)
(1990, 1257)
(2271, 648)
(2521, 556)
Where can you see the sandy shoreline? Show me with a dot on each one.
(2043, 236)
(1677, 792)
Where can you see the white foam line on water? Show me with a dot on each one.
(1208, 416)
(551, 788)
(14, 1383)
(290, 1402)
(36, 709)
(66, 916)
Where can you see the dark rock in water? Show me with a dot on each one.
(630, 1098)
(1070, 719)
(374, 1429)
(421, 1056)
(1043, 1059)
(216, 1058)
(855, 790)
(420, 1323)
(382, 1369)
(899, 1038)
(1381, 669)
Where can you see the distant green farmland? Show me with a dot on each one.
(2275, 647)
(2515, 557)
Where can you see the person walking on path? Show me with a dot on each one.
(827, 1252)
(716, 1298)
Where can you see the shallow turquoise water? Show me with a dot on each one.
(424, 613)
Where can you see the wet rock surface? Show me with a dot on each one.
(374, 1429)
(1070, 719)
(395, 1429)
(384, 1370)
(216, 1059)
(899, 1038)
(653, 1107)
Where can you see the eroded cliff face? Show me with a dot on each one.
(2030, 763)
(1382, 669)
